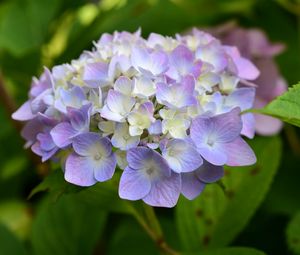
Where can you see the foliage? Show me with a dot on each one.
(293, 234)
(286, 107)
(203, 222)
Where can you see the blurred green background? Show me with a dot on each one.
(37, 33)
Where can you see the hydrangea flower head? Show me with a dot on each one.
(166, 110)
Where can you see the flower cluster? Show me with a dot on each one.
(254, 44)
(165, 110)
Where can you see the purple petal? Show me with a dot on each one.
(62, 134)
(191, 186)
(80, 118)
(214, 154)
(266, 125)
(46, 141)
(30, 131)
(136, 157)
(209, 173)
(118, 106)
(24, 113)
(182, 156)
(79, 170)
(239, 153)
(45, 82)
(155, 128)
(248, 125)
(222, 128)
(241, 97)
(165, 191)
(177, 95)
(182, 58)
(143, 158)
(95, 74)
(214, 55)
(134, 184)
(159, 62)
(246, 69)
(156, 63)
(36, 148)
(87, 144)
(104, 170)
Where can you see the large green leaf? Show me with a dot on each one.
(102, 195)
(55, 184)
(67, 227)
(9, 244)
(230, 251)
(293, 234)
(214, 219)
(285, 107)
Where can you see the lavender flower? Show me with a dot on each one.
(254, 44)
(149, 177)
(166, 110)
(91, 161)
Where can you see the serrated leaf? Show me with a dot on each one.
(67, 227)
(293, 234)
(9, 244)
(285, 107)
(215, 219)
(231, 251)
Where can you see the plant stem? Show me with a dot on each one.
(152, 227)
(152, 219)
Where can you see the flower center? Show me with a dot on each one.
(97, 156)
(150, 171)
(210, 142)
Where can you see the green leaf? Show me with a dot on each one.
(56, 184)
(130, 239)
(16, 216)
(105, 196)
(67, 227)
(285, 107)
(9, 244)
(24, 24)
(230, 251)
(100, 195)
(293, 234)
(214, 219)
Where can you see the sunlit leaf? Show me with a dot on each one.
(16, 216)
